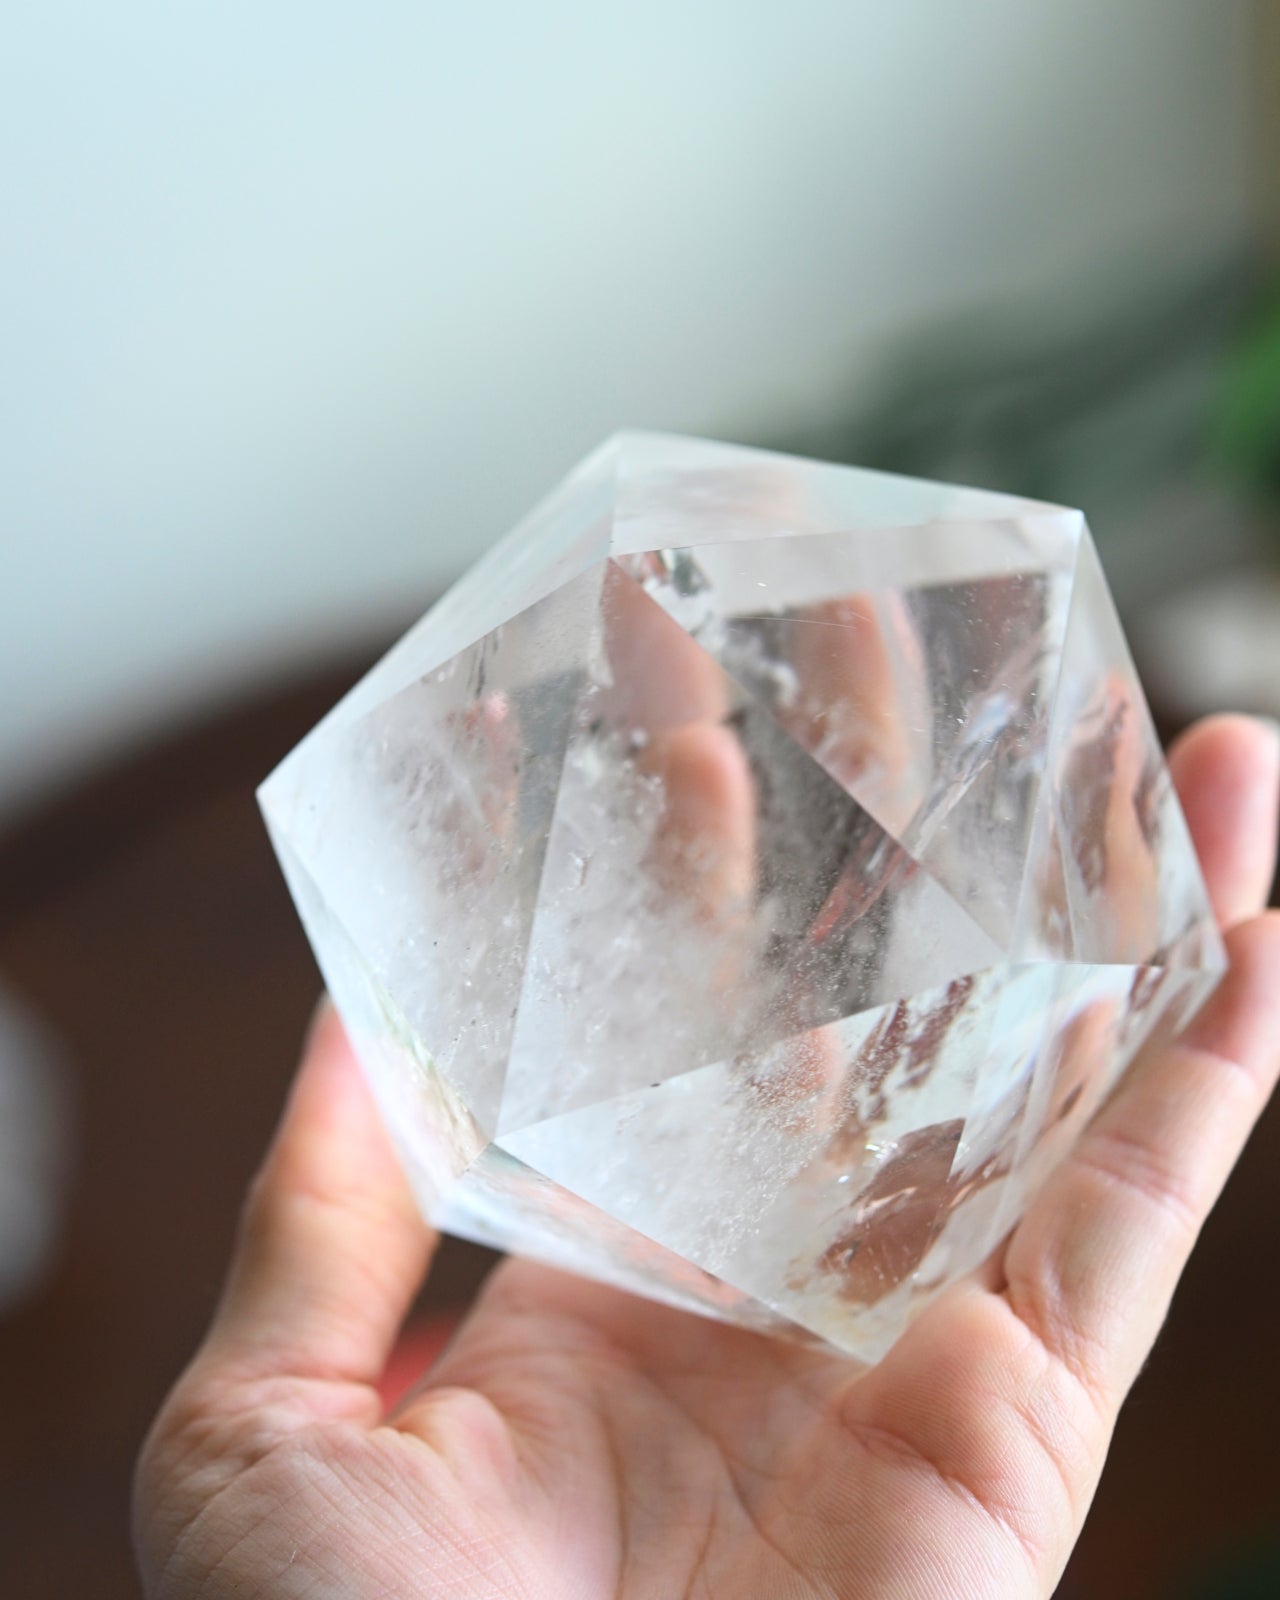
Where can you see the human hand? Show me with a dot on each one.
(574, 1442)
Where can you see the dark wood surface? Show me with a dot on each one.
(144, 919)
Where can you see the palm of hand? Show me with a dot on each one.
(575, 1442)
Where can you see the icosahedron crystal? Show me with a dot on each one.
(747, 881)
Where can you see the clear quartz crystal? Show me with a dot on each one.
(749, 879)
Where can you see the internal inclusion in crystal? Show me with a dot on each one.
(746, 883)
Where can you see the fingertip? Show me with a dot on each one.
(1227, 772)
(1250, 745)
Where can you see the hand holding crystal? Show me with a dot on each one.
(574, 1442)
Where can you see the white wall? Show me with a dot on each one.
(301, 304)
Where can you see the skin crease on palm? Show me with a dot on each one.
(575, 1443)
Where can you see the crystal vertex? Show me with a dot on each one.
(748, 880)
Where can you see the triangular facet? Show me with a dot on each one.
(927, 700)
(859, 920)
(993, 650)
(1082, 1053)
(706, 883)
(1042, 927)
(508, 1205)
(1131, 876)
(1200, 948)
(1161, 999)
(766, 1169)
(675, 492)
(433, 1130)
(442, 798)
(1027, 1011)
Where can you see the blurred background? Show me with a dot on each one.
(302, 306)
